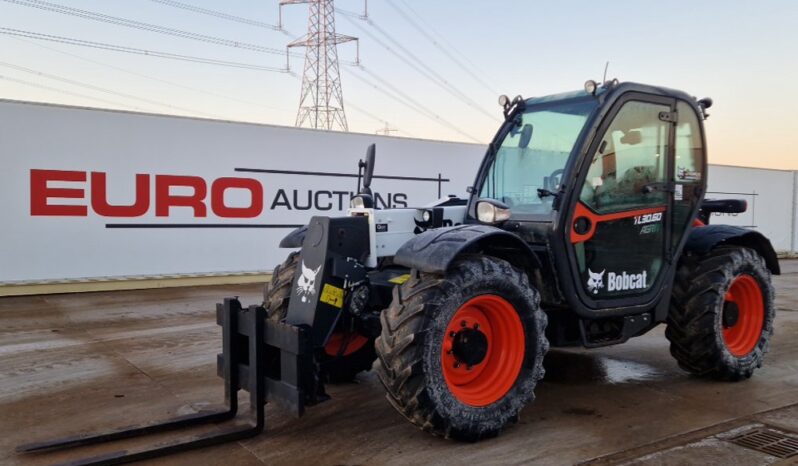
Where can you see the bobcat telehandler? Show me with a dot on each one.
(586, 226)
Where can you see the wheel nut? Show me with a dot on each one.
(463, 323)
(469, 367)
(457, 365)
(452, 334)
(476, 326)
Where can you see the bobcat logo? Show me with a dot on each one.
(306, 285)
(596, 281)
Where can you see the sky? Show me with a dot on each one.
(437, 75)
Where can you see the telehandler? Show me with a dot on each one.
(586, 225)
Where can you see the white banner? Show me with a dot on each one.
(91, 194)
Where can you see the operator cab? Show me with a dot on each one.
(603, 183)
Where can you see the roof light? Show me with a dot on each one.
(591, 86)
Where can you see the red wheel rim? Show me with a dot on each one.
(743, 335)
(353, 342)
(488, 380)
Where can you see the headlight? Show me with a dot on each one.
(426, 216)
(361, 201)
(356, 203)
(490, 212)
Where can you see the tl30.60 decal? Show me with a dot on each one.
(648, 218)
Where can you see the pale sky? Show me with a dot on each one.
(740, 53)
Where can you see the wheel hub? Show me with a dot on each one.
(470, 346)
(483, 350)
(743, 316)
(731, 314)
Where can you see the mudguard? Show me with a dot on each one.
(295, 238)
(433, 250)
(704, 239)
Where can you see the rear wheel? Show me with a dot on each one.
(460, 354)
(721, 316)
(346, 354)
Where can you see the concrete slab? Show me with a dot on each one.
(75, 363)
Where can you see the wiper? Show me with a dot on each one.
(546, 193)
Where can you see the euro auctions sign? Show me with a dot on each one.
(93, 194)
(202, 198)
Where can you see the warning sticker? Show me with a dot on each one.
(400, 279)
(332, 295)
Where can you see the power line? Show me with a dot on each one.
(435, 42)
(409, 102)
(445, 84)
(74, 94)
(420, 67)
(179, 33)
(219, 14)
(153, 78)
(115, 20)
(137, 51)
(156, 54)
(106, 91)
(444, 41)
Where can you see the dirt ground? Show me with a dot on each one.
(75, 363)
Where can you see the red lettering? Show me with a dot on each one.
(40, 193)
(217, 197)
(164, 199)
(99, 197)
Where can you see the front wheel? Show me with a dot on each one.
(460, 354)
(721, 316)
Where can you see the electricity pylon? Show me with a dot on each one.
(321, 103)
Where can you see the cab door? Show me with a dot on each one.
(621, 225)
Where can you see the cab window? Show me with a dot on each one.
(630, 162)
(688, 169)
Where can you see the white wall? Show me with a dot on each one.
(770, 196)
(122, 145)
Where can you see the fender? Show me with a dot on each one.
(434, 250)
(295, 238)
(703, 239)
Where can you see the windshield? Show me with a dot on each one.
(528, 166)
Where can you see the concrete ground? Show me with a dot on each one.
(75, 363)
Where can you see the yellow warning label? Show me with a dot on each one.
(400, 279)
(332, 295)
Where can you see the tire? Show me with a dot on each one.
(417, 358)
(706, 338)
(346, 355)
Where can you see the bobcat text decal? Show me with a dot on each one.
(616, 281)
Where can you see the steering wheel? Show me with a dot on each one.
(553, 181)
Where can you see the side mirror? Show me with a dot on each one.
(368, 168)
(492, 211)
(632, 137)
(526, 136)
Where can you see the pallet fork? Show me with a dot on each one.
(268, 359)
